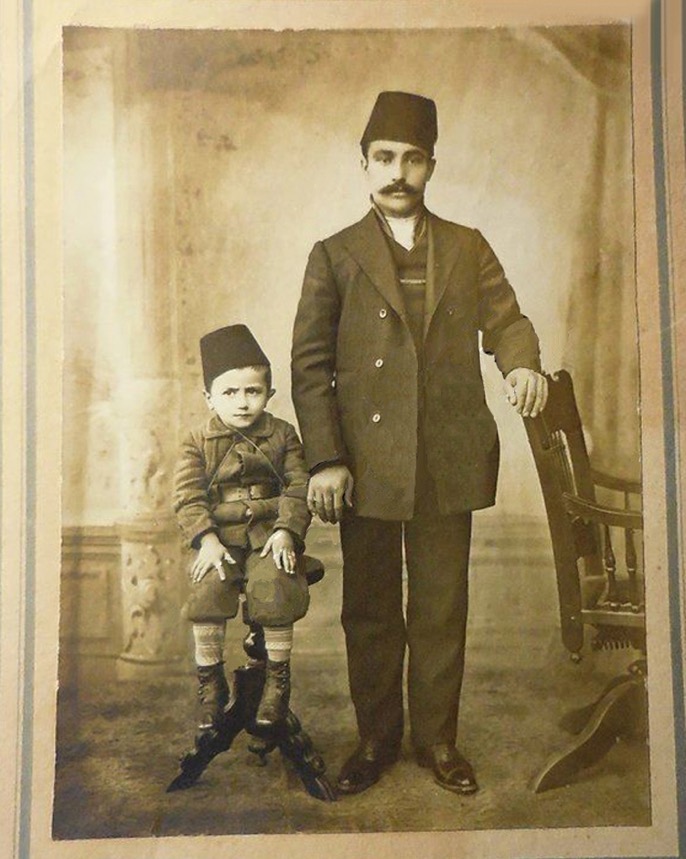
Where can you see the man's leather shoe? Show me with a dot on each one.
(451, 770)
(364, 767)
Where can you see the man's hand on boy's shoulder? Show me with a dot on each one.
(282, 546)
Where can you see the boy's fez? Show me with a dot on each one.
(228, 348)
(404, 118)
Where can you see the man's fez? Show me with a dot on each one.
(228, 348)
(404, 118)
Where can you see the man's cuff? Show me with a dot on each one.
(320, 466)
(522, 365)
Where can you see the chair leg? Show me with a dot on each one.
(575, 720)
(611, 718)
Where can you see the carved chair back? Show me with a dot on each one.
(593, 588)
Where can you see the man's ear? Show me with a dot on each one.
(270, 393)
(208, 400)
(364, 163)
(432, 167)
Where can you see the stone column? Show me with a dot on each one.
(151, 580)
(147, 396)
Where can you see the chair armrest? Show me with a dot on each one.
(619, 484)
(589, 510)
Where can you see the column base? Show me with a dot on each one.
(131, 668)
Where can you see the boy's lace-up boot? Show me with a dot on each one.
(276, 695)
(213, 696)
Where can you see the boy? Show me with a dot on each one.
(240, 498)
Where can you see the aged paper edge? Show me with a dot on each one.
(31, 322)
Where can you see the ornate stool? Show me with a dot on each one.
(288, 737)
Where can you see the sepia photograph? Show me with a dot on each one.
(364, 517)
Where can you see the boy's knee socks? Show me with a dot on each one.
(279, 641)
(209, 643)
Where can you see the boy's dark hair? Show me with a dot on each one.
(267, 370)
(267, 374)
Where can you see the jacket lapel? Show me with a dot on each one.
(367, 244)
(444, 252)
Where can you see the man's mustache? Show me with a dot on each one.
(399, 187)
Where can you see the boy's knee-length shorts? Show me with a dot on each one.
(274, 597)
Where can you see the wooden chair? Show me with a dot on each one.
(595, 592)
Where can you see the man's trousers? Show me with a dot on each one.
(437, 557)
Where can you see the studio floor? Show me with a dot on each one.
(119, 742)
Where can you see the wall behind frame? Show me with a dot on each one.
(200, 167)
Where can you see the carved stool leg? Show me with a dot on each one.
(289, 737)
(208, 744)
(296, 745)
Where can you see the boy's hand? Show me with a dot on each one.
(282, 547)
(211, 554)
(527, 391)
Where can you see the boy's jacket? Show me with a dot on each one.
(215, 458)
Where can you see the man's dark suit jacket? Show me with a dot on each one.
(355, 368)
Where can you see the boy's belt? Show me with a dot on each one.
(246, 493)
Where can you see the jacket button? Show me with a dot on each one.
(378, 362)
(376, 418)
(451, 310)
(383, 313)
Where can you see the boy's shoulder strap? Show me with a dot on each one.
(259, 450)
(221, 462)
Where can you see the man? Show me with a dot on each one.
(398, 438)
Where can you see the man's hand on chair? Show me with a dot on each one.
(527, 391)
